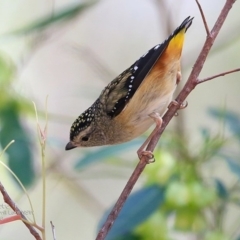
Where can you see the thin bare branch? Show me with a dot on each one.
(189, 86)
(94, 61)
(53, 230)
(218, 75)
(12, 204)
(192, 79)
(10, 219)
(203, 18)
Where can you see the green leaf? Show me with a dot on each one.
(66, 14)
(19, 154)
(129, 236)
(210, 147)
(138, 207)
(105, 153)
(6, 71)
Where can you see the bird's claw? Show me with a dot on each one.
(183, 105)
(176, 103)
(149, 156)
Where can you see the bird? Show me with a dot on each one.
(130, 104)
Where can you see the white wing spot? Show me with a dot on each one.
(156, 47)
(135, 68)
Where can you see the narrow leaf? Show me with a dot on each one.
(138, 207)
(19, 155)
(233, 165)
(65, 14)
(106, 152)
(221, 189)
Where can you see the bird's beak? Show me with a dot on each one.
(70, 146)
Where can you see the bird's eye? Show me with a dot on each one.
(85, 139)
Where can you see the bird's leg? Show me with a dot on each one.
(179, 76)
(141, 152)
(174, 102)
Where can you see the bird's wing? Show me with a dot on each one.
(119, 92)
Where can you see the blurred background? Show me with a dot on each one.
(66, 52)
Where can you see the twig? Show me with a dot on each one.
(218, 75)
(165, 16)
(94, 61)
(53, 230)
(11, 203)
(189, 86)
(42, 134)
(192, 79)
(10, 219)
(203, 18)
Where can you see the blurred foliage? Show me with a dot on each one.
(60, 16)
(129, 217)
(187, 201)
(176, 196)
(12, 107)
(105, 153)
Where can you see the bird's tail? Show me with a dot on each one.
(176, 39)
